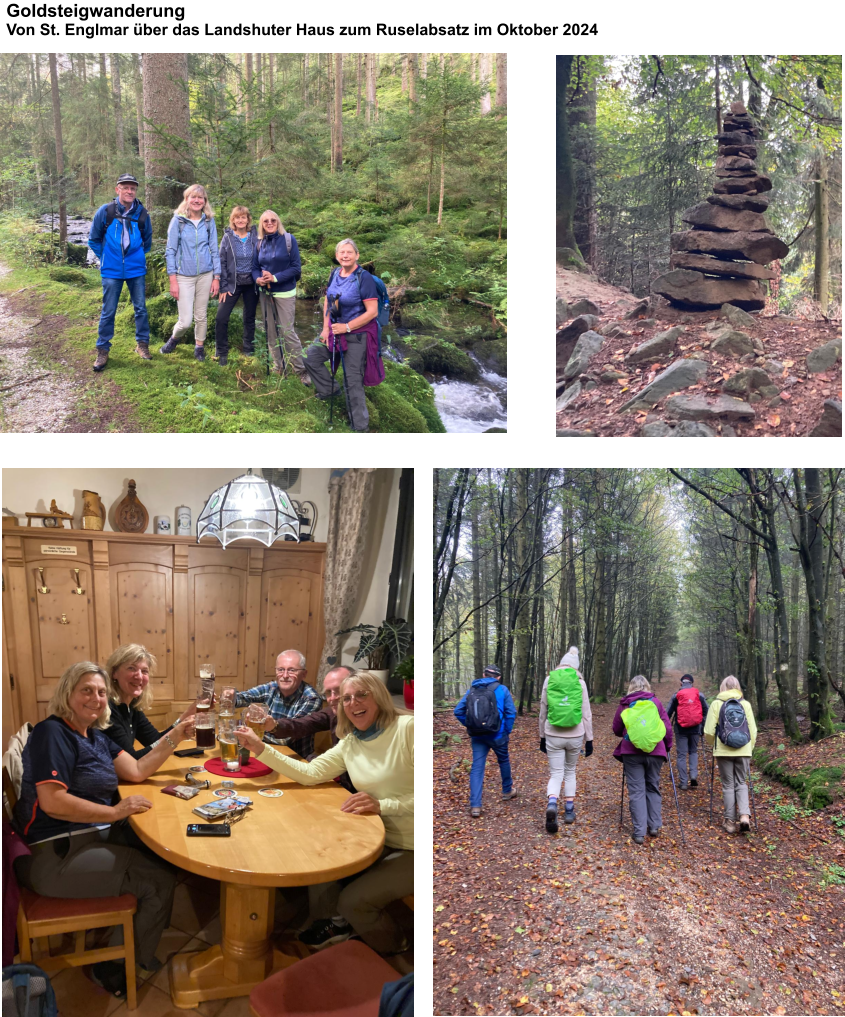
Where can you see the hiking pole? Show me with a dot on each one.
(712, 768)
(677, 806)
(753, 805)
(333, 372)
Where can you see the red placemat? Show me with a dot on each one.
(252, 769)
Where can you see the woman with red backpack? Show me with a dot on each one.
(731, 731)
(642, 724)
(566, 724)
(687, 710)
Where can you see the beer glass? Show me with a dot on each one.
(207, 678)
(229, 749)
(226, 706)
(254, 717)
(205, 728)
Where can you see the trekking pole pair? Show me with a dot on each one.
(275, 313)
(334, 349)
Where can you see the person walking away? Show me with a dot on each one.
(350, 335)
(487, 712)
(566, 724)
(276, 267)
(687, 710)
(236, 283)
(193, 265)
(731, 731)
(121, 235)
(642, 724)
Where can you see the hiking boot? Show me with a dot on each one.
(100, 365)
(569, 813)
(325, 932)
(475, 811)
(170, 345)
(637, 839)
(551, 818)
(305, 379)
(693, 782)
(222, 360)
(143, 351)
(111, 976)
(744, 823)
(730, 826)
(511, 794)
(199, 353)
(684, 787)
(654, 831)
(248, 351)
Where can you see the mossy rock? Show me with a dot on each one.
(77, 254)
(440, 357)
(496, 430)
(818, 787)
(493, 355)
(567, 258)
(68, 275)
(393, 413)
(412, 387)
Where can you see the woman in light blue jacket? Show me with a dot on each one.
(193, 265)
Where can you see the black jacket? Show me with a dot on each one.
(128, 725)
(228, 264)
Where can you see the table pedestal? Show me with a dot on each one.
(244, 958)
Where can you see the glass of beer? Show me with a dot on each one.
(229, 749)
(226, 707)
(205, 727)
(254, 716)
(207, 679)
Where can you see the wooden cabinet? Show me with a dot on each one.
(189, 604)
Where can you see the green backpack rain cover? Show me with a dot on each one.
(643, 724)
(563, 697)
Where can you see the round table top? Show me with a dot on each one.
(298, 839)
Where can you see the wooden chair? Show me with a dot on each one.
(41, 917)
(342, 981)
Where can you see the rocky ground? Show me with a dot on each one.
(644, 369)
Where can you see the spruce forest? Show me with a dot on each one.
(404, 153)
(655, 573)
(699, 242)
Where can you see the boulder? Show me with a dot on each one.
(717, 217)
(656, 429)
(639, 308)
(744, 137)
(749, 202)
(613, 330)
(742, 185)
(588, 345)
(774, 368)
(658, 348)
(735, 269)
(693, 290)
(735, 162)
(749, 151)
(736, 315)
(567, 258)
(732, 343)
(749, 380)
(583, 306)
(830, 426)
(697, 407)
(751, 246)
(571, 432)
(561, 311)
(496, 430)
(823, 358)
(729, 174)
(583, 323)
(678, 375)
(609, 377)
(693, 429)
(568, 396)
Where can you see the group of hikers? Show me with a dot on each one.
(646, 731)
(256, 263)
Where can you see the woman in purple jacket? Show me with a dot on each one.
(642, 769)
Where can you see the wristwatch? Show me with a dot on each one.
(348, 330)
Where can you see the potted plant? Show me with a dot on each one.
(390, 639)
(405, 671)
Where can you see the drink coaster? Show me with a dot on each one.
(270, 792)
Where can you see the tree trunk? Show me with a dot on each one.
(486, 102)
(521, 626)
(822, 261)
(305, 79)
(572, 585)
(167, 155)
(118, 111)
(139, 101)
(599, 668)
(565, 237)
(249, 103)
(358, 87)
(718, 98)
(795, 616)
(501, 79)
(582, 129)
(412, 78)
(337, 159)
(442, 181)
(477, 649)
(60, 152)
(371, 88)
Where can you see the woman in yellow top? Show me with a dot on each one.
(733, 757)
(376, 749)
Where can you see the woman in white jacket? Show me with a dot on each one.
(563, 744)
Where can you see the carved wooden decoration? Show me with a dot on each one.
(130, 515)
(54, 518)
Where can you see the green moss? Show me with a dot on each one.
(77, 254)
(817, 786)
(493, 355)
(69, 275)
(416, 390)
(394, 412)
(440, 357)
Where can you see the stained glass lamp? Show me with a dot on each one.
(248, 508)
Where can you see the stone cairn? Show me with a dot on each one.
(720, 260)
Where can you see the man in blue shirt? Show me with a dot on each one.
(287, 697)
(121, 235)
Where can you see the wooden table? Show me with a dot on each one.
(296, 840)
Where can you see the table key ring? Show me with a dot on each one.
(229, 820)
(196, 782)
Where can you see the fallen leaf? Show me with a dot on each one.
(785, 396)
(440, 907)
(773, 420)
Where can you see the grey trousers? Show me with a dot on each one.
(96, 864)
(281, 333)
(642, 775)
(363, 902)
(686, 742)
(318, 361)
(733, 772)
(563, 756)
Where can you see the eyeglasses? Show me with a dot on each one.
(331, 694)
(359, 696)
(288, 670)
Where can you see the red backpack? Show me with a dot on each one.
(689, 708)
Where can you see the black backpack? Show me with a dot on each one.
(111, 215)
(732, 726)
(482, 710)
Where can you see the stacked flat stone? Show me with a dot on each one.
(720, 260)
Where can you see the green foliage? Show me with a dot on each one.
(816, 786)
(429, 354)
(377, 643)
(69, 275)
(405, 669)
(833, 875)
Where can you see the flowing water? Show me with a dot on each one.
(466, 406)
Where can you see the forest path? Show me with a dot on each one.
(587, 922)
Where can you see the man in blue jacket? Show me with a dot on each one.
(488, 713)
(120, 236)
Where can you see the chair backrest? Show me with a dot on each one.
(10, 798)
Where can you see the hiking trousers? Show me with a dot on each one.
(642, 775)
(686, 743)
(318, 361)
(733, 772)
(279, 313)
(480, 748)
(224, 312)
(563, 758)
(194, 293)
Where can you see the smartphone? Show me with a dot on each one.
(208, 830)
(189, 752)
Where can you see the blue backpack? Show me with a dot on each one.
(383, 299)
(27, 992)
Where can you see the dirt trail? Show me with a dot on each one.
(587, 922)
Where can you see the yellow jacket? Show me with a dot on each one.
(713, 718)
